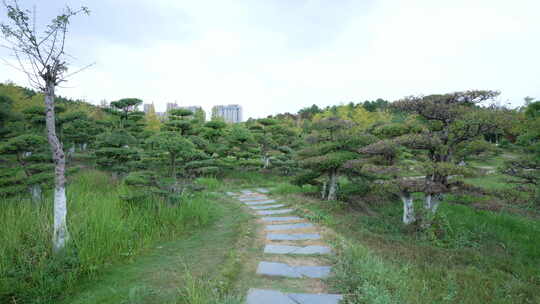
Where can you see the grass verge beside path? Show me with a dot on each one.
(176, 271)
(481, 257)
(118, 250)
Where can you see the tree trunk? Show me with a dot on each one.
(434, 203)
(60, 231)
(323, 191)
(428, 201)
(266, 162)
(332, 189)
(408, 208)
(35, 191)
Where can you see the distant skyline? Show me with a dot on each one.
(278, 56)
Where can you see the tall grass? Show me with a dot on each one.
(104, 230)
(366, 278)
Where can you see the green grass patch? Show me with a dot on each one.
(471, 257)
(104, 231)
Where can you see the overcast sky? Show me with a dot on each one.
(273, 56)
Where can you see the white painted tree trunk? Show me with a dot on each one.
(431, 202)
(266, 162)
(60, 231)
(323, 191)
(35, 191)
(408, 208)
(427, 201)
(332, 190)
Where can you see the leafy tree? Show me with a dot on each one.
(376, 105)
(309, 112)
(452, 121)
(361, 118)
(329, 148)
(152, 120)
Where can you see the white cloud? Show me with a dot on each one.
(277, 56)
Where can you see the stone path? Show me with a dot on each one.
(289, 239)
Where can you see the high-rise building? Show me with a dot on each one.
(198, 112)
(147, 107)
(171, 105)
(229, 113)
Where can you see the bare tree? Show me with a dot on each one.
(42, 58)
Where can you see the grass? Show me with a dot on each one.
(104, 231)
(199, 268)
(204, 251)
(469, 256)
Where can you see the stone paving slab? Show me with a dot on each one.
(267, 207)
(292, 236)
(263, 190)
(286, 249)
(272, 212)
(262, 296)
(260, 202)
(231, 193)
(247, 191)
(281, 218)
(253, 198)
(284, 270)
(303, 298)
(288, 226)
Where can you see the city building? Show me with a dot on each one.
(197, 112)
(229, 113)
(171, 106)
(148, 107)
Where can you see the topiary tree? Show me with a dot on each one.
(172, 147)
(452, 120)
(178, 121)
(78, 130)
(115, 152)
(31, 154)
(242, 150)
(329, 148)
(449, 124)
(525, 169)
(6, 116)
